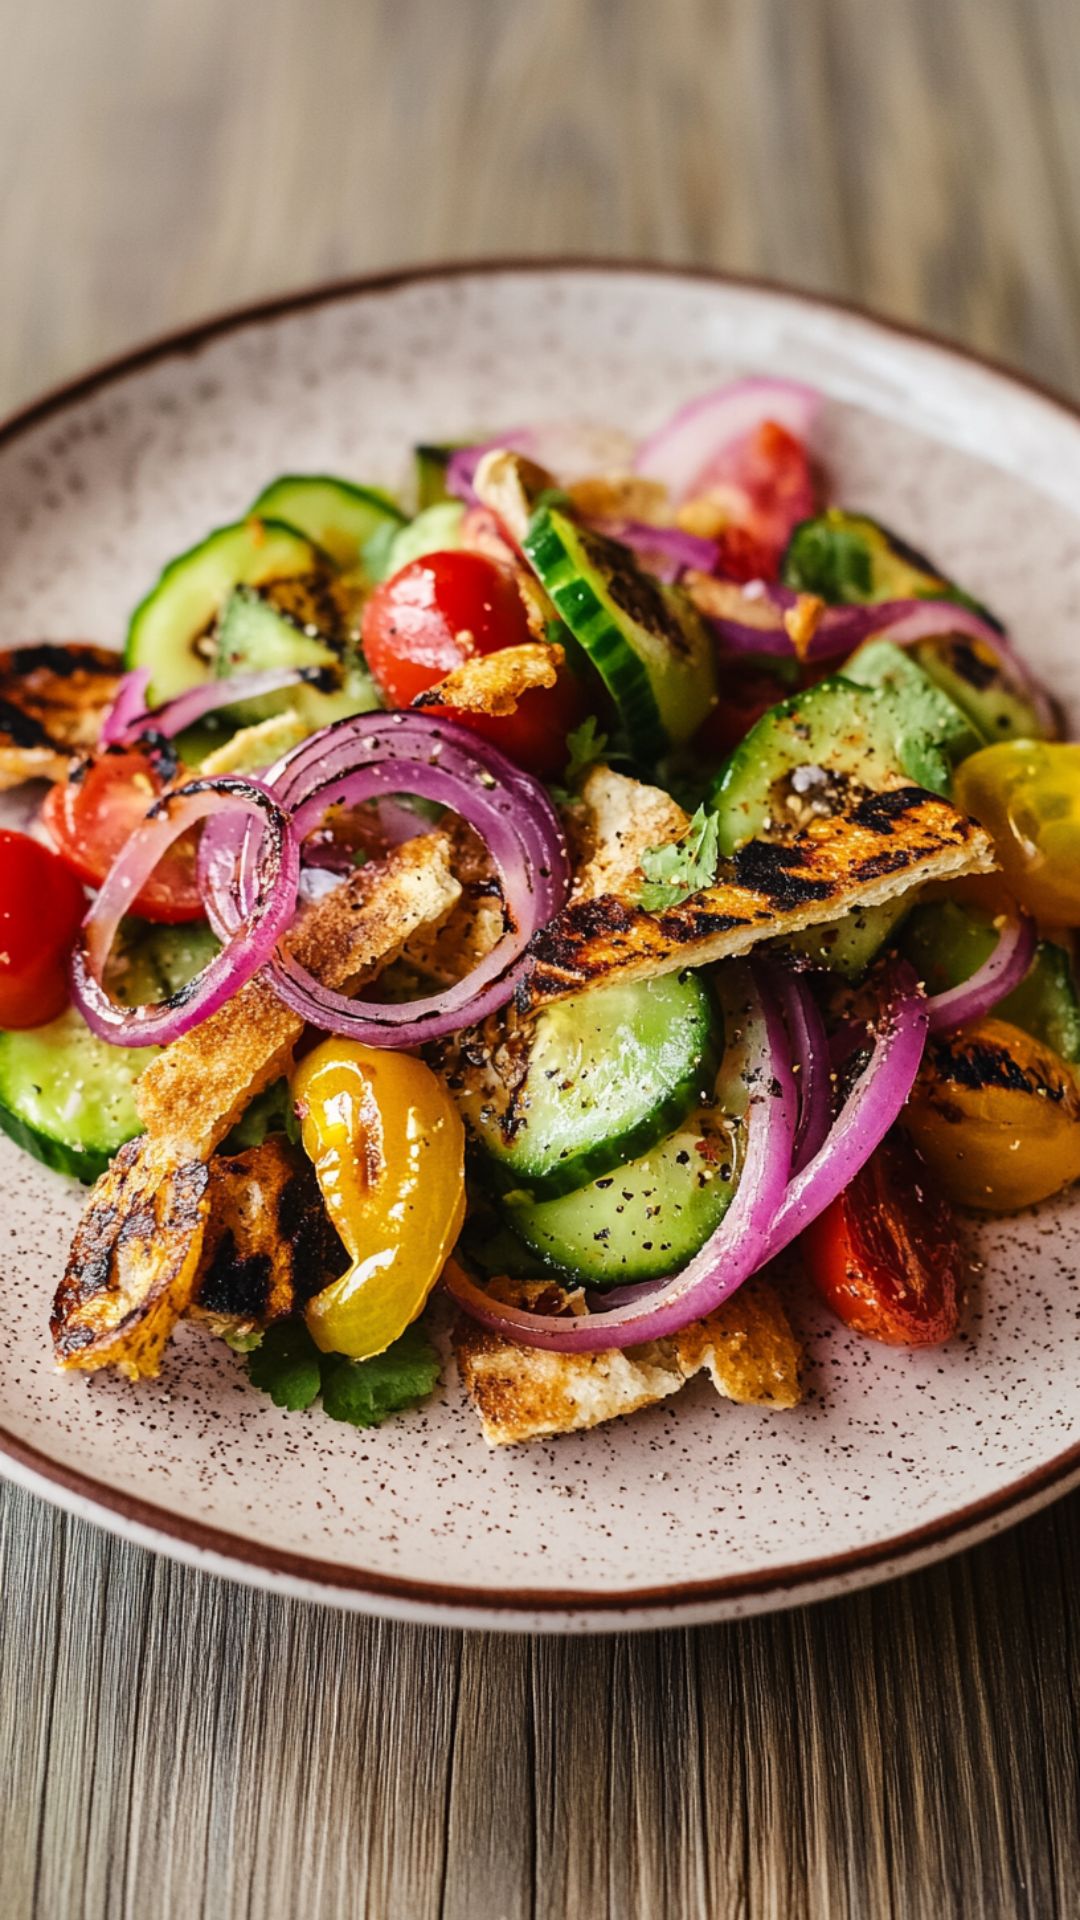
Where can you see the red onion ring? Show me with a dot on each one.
(871, 1108)
(1001, 971)
(735, 1251)
(702, 433)
(665, 551)
(129, 717)
(380, 756)
(275, 875)
(810, 1055)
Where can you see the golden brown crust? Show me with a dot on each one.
(523, 1393)
(878, 846)
(268, 1245)
(131, 1270)
(493, 683)
(620, 818)
(52, 703)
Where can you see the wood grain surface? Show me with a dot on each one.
(171, 1746)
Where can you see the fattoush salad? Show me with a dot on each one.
(558, 900)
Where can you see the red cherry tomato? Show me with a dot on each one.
(41, 907)
(91, 819)
(887, 1255)
(771, 488)
(446, 608)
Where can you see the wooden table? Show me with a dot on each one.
(171, 1746)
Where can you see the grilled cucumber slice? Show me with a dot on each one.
(171, 630)
(309, 621)
(597, 1080)
(339, 517)
(648, 643)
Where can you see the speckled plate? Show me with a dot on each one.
(695, 1510)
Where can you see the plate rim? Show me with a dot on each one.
(185, 1537)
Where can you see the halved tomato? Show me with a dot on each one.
(91, 818)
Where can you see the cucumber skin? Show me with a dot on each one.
(368, 507)
(622, 672)
(86, 1164)
(307, 558)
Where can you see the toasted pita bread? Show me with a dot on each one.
(523, 1393)
(494, 682)
(877, 846)
(52, 703)
(137, 1253)
(269, 1244)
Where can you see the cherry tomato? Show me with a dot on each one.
(1027, 795)
(996, 1113)
(887, 1255)
(41, 907)
(445, 608)
(760, 487)
(91, 819)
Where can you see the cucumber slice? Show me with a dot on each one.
(970, 675)
(67, 1097)
(605, 1076)
(947, 942)
(171, 629)
(338, 516)
(842, 732)
(648, 643)
(436, 530)
(850, 559)
(430, 463)
(642, 1221)
(303, 622)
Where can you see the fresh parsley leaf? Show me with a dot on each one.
(366, 1392)
(585, 746)
(674, 872)
(831, 560)
(289, 1367)
(286, 1366)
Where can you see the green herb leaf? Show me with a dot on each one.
(366, 1392)
(286, 1366)
(585, 746)
(244, 1342)
(683, 867)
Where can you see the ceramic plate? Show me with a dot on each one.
(697, 1509)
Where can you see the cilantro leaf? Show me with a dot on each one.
(674, 872)
(286, 1365)
(289, 1367)
(365, 1392)
(585, 746)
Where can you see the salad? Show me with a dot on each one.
(555, 902)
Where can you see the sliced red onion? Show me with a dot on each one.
(275, 873)
(380, 756)
(666, 551)
(702, 435)
(735, 1251)
(810, 1056)
(128, 708)
(126, 721)
(916, 620)
(871, 1108)
(1000, 972)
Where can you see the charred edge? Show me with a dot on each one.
(879, 864)
(561, 944)
(692, 923)
(970, 665)
(20, 729)
(317, 1255)
(980, 1064)
(236, 1283)
(633, 591)
(47, 657)
(766, 868)
(879, 812)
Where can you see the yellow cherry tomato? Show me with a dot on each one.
(1027, 795)
(997, 1116)
(388, 1149)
